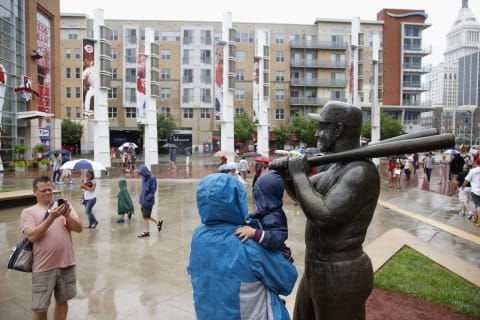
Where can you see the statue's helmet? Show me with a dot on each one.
(339, 112)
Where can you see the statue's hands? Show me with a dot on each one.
(280, 165)
(297, 165)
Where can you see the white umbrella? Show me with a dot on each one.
(84, 164)
(228, 166)
(128, 145)
(225, 153)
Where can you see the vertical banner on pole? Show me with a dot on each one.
(88, 79)
(218, 80)
(43, 76)
(141, 88)
(256, 79)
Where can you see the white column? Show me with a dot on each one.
(101, 134)
(227, 139)
(354, 46)
(150, 134)
(375, 134)
(263, 99)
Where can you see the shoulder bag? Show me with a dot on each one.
(21, 257)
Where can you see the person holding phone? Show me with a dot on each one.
(53, 269)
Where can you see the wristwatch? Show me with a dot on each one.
(49, 210)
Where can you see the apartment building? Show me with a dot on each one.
(309, 65)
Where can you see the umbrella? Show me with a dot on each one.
(228, 166)
(128, 145)
(225, 153)
(83, 164)
(262, 159)
(251, 154)
(451, 151)
(169, 145)
(282, 152)
(312, 150)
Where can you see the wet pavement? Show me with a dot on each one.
(123, 277)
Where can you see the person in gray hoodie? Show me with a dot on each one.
(147, 200)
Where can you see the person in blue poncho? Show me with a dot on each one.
(231, 279)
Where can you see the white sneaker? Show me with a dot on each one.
(470, 215)
(462, 213)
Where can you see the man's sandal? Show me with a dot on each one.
(159, 225)
(144, 234)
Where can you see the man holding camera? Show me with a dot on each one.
(48, 226)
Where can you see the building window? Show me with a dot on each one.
(165, 94)
(131, 75)
(239, 94)
(279, 38)
(188, 56)
(206, 76)
(166, 74)
(131, 95)
(131, 36)
(68, 53)
(77, 73)
(280, 56)
(206, 37)
(205, 95)
(245, 37)
(204, 113)
(240, 75)
(165, 111)
(279, 95)
(114, 35)
(68, 92)
(67, 73)
(239, 111)
(187, 95)
(240, 55)
(77, 112)
(130, 113)
(171, 36)
(131, 55)
(112, 112)
(187, 76)
(188, 37)
(166, 54)
(279, 114)
(279, 75)
(114, 53)
(205, 56)
(156, 35)
(68, 111)
(142, 34)
(114, 73)
(77, 92)
(113, 93)
(77, 53)
(188, 113)
(72, 34)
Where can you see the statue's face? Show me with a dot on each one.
(326, 136)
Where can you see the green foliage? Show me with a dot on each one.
(45, 161)
(243, 127)
(20, 149)
(412, 273)
(304, 130)
(281, 133)
(40, 148)
(165, 126)
(389, 127)
(71, 132)
(18, 163)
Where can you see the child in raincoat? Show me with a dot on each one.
(125, 203)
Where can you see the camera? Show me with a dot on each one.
(59, 202)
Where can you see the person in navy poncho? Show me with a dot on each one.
(231, 279)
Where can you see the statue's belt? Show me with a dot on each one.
(334, 256)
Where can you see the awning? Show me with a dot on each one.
(28, 115)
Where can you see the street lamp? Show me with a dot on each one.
(471, 126)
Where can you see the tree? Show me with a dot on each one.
(244, 128)
(389, 127)
(282, 134)
(71, 132)
(304, 130)
(165, 126)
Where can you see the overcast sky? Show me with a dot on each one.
(441, 13)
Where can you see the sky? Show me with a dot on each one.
(441, 13)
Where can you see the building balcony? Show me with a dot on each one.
(417, 49)
(417, 68)
(316, 44)
(327, 64)
(305, 101)
(325, 83)
(415, 86)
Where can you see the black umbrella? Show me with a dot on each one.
(169, 145)
(251, 154)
